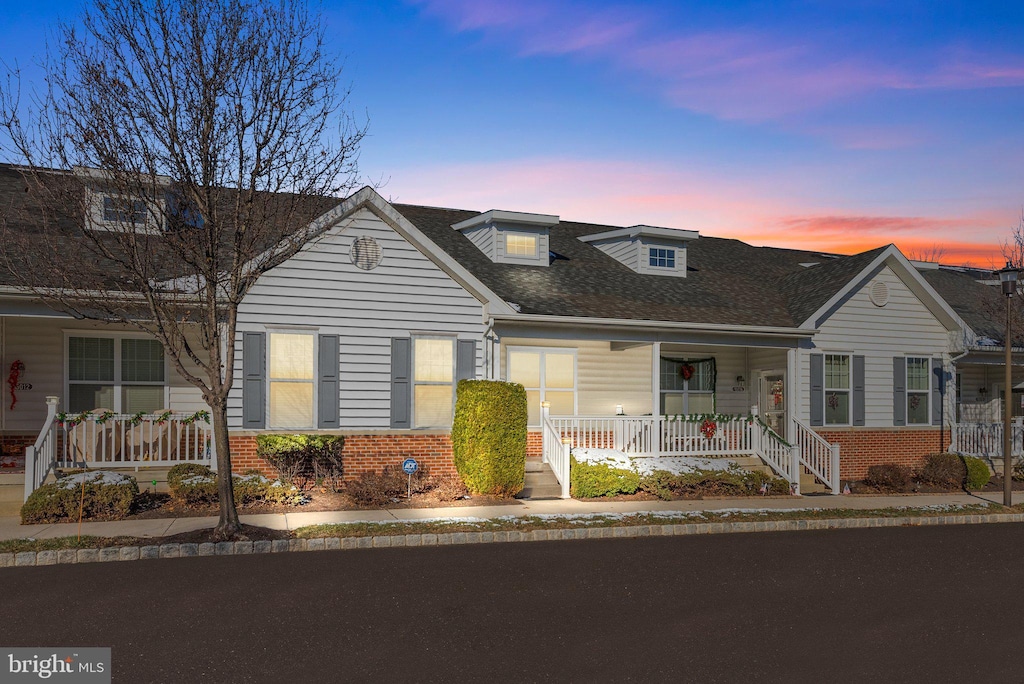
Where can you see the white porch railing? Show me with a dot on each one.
(104, 439)
(985, 440)
(818, 455)
(677, 436)
(41, 457)
(555, 451)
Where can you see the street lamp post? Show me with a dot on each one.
(1008, 278)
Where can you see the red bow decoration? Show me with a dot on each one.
(686, 370)
(709, 428)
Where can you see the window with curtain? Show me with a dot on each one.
(292, 377)
(687, 386)
(837, 389)
(520, 244)
(548, 375)
(433, 398)
(123, 374)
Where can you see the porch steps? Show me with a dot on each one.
(809, 484)
(540, 482)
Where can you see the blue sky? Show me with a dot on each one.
(801, 124)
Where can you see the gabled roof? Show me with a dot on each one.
(981, 306)
(727, 282)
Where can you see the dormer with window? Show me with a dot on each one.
(110, 209)
(646, 249)
(510, 237)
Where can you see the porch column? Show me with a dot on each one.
(656, 398)
(792, 391)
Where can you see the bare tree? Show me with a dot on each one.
(179, 150)
(932, 254)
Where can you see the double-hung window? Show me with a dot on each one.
(291, 379)
(662, 257)
(548, 375)
(123, 210)
(433, 381)
(837, 389)
(122, 374)
(687, 387)
(919, 391)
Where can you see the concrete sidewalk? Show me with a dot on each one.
(11, 529)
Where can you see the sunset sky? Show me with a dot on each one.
(792, 124)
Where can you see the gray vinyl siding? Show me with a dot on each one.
(543, 244)
(644, 262)
(483, 238)
(624, 251)
(904, 327)
(320, 290)
(39, 344)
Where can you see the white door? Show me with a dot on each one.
(772, 400)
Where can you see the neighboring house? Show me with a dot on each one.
(618, 335)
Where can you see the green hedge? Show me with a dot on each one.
(304, 460)
(107, 496)
(489, 436)
(196, 485)
(589, 480)
(978, 473)
(702, 483)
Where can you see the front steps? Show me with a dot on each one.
(540, 482)
(12, 492)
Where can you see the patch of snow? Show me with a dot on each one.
(645, 465)
(197, 480)
(97, 477)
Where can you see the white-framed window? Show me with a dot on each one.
(120, 210)
(547, 374)
(662, 257)
(433, 398)
(520, 245)
(919, 390)
(121, 373)
(291, 378)
(687, 387)
(838, 370)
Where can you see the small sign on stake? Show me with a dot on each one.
(410, 466)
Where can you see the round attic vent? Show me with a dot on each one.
(366, 253)
(879, 294)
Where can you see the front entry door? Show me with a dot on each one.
(772, 401)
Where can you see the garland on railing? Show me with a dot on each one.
(707, 420)
(71, 421)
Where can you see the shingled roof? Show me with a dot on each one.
(728, 281)
(981, 306)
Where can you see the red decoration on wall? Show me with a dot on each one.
(12, 380)
(686, 370)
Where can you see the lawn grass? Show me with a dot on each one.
(537, 522)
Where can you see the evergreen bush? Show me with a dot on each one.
(489, 436)
(978, 473)
(589, 480)
(107, 496)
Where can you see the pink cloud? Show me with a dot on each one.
(763, 212)
(743, 75)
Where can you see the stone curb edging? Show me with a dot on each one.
(241, 548)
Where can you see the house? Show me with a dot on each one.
(646, 339)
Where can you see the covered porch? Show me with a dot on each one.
(720, 398)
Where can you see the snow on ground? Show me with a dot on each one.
(100, 477)
(645, 465)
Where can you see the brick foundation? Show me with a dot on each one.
(860, 448)
(364, 453)
(534, 445)
(12, 452)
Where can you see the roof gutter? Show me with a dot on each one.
(763, 331)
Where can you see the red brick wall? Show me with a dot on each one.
(364, 453)
(534, 445)
(863, 447)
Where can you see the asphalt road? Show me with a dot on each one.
(938, 604)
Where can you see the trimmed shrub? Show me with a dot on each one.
(449, 488)
(378, 489)
(107, 495)
(303, 460)
(589, 480)
(943, 470)
(889, 476)
(704, 483)
(489, 436)
(978, 473)
(179, 472)
(198, 488)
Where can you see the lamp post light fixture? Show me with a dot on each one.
(1008, 279)
(618, 410)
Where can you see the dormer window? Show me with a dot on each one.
(119, 210)
(510, 237)
(661, 257)
(520, 245)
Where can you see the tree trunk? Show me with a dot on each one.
(228, 527)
